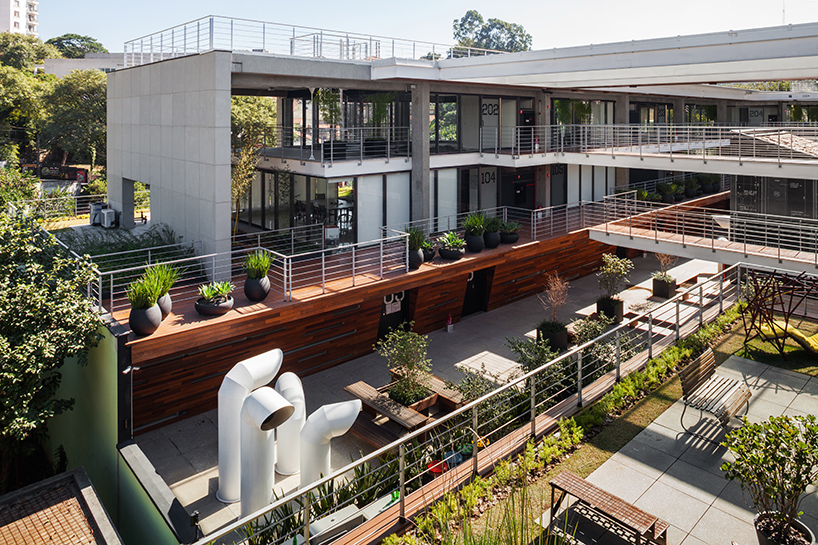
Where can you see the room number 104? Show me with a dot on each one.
(489, 177)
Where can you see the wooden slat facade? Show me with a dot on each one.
(181, 366)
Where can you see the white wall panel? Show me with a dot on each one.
(369, 192)
(573, 183)
(397, 199)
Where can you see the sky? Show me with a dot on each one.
(551, 23)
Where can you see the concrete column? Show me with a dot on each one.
(285, 120)
(622, 178)
(721, 112)
(621, 109)
(421, 187)
(678, 111)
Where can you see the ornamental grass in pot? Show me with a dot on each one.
(214, 299)
(415, 242)
(491, 237)
(475, 226)
(775, 461)
(428, 249)
(163, 277)
(509, 232)
(257, 285)
(612, 277)
(145, 316)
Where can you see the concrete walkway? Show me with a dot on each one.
(676, 476)
(185, 453)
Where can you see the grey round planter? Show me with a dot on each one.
(165, 304)
(451, 254)
(491, 240)
(509, 238)
(206, 308)
(415, 259)
(256, 289)
(144, 321)
(475, 243)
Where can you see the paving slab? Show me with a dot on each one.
(621, 480)
(718, 528)
(644, 459)
(673, 506)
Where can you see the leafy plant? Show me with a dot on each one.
(776, 460)
(678, 189)
(427, 245)
(451, 241)
(142, 293)
(257, 264)
(493, 224)
(405, 353)
(475, 224)
(216, 292)
(613, 274)
(510, 227)
(665, 188)
(416, 238)
(692, 183)
(162, 277)
(550, 326)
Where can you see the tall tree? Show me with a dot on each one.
(251, 118)
(21, 106)
(75, 46)
(24, 52)
(472, 31)
(44, 319)
(76, 114)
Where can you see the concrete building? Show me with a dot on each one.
(19, 16)
(106, 62)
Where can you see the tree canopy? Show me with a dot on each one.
(75, 117)
(75, 46)
(24, 52)
(472, 31)
(44, 319)
(251, 117)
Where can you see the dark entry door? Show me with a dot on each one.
(477, 293)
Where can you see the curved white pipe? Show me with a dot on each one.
(242, 379)
(325, 423)
(262, 411)
(288, 448)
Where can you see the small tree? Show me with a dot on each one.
(555, 295)
(405, 353)
(613, 274)
(776, 460)
(666, 261)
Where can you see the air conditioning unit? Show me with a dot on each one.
(108, 218)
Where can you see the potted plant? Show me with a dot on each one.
(612, 276)
(451, 246)
(664, 285)
(666, 190)
(775, 461)
(552, 299)
(257, 285)
(163, 277)
(653, 197)
(145, 315)
(475, 226)
(214, 299)
(415, 242)
(491, 238)
(709, 182)
(691, 188)
(405, 353)
(678, 192)
(509, 232)
(428, 249)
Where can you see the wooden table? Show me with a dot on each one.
(375, 402)
(643, 525)
(450, 398)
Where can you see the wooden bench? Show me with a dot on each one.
(376, 435)
(601, 504)
(605, 505)
(703, 389)
(450, 399)
(375, 402)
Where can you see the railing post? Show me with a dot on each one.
(650, 336)
(533, 394)
(618, 355)
(402, 476)
(353, 266)
(323, 272)
(306, 510)
(677, 319)
(721, 292)
(213, 268)
(406, 260)
(701, 305)
(579, 378)
(380, 261)
(475, 439)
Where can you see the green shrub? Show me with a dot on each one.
(451, 241)
(416, 239)
(493, 224)
(257, 264)
(142, 294)
(475, 224)
(216, 292)
(510, 227)
(162, 277)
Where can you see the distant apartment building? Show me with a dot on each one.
(106, 62)
(19, 16)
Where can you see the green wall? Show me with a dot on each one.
(88, 433)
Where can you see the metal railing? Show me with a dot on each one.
(400, 469)
(328, 145)
(750, 233)
(782, 144)
(288, 241)
(233, 34)
(64, 206)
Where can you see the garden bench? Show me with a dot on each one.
(375, 402)
(376, 435)
(601, 506)
(703, 389)
(450, 398)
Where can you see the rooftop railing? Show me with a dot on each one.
(513, 412)
(63, 206)
(233, 34)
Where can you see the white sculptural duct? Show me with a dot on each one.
(263, 411)
(325, 423)
(288, 435)
(242, 379)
